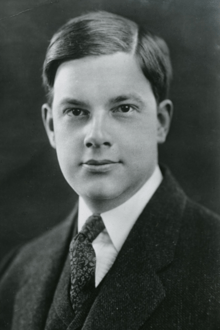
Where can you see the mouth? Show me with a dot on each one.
(99, 162)
(99, 166)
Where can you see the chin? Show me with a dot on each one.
(101, 192)
(100, 195)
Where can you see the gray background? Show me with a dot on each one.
(33, 194)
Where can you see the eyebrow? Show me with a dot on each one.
(72, 101)
(126, 97)
(114, 100)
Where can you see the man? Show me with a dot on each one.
(146, 257)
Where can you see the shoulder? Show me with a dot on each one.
(198, 249)
(194, 215)
(31, 268)
(23, 260)
(199, 228)
(202, 223)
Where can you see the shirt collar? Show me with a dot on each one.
(119, 221)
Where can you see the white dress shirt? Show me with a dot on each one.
(118, 223)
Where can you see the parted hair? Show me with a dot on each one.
(103, 33)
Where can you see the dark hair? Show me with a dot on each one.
(103, 33)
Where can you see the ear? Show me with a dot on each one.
(47, 117)
(164, 117)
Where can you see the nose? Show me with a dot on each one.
(96, 132)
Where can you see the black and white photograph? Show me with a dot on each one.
(109, 165)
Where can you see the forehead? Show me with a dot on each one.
(98, 78)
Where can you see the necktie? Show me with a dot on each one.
(83, 261)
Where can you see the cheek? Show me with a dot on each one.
(68, 148)
(140, 151)
(140, 138)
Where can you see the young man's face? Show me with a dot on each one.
(105, 125)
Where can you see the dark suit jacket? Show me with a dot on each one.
(166, 276)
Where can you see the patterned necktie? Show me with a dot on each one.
(83, 261)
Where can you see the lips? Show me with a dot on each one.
(99, 162)
(101, 166)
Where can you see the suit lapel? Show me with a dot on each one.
(34, 299)
(132, 289)
(128, 295)
(61, 313)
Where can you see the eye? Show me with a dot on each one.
(124, 108)
(76, 112)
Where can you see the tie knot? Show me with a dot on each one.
(93, 227)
